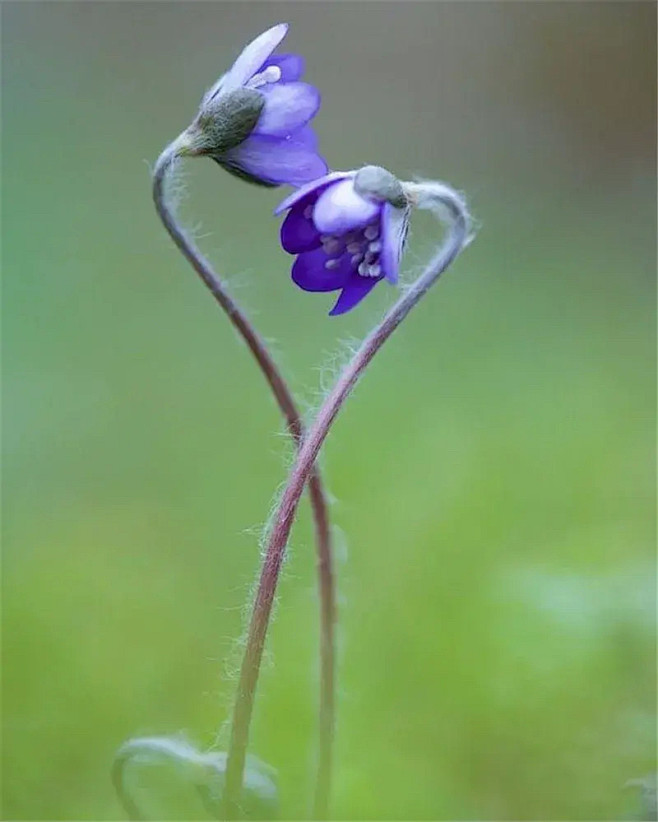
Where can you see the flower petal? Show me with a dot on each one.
(253, 56)
(288, 106)
(310, 273)
(277, 160)
(356, 288)
(298, 233)
(340, 209)
(395, 222)
(292, 66)
(306, 135)
(314, 186)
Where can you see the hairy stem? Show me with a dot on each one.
(445, 203)
(161, 174)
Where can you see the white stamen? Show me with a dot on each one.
(374, 270)
(353, 248)
(331, 245)
(371, 232)
(331, 264)
(363, 270)
(356, 258)
(272, 74)
(375, 247)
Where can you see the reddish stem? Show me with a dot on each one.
(283, 396)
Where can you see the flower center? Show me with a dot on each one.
(362, 245)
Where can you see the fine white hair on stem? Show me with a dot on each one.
(332, 365)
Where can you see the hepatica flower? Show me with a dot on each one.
(348, 230)
(254, 120)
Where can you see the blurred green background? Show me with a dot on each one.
(493, 475)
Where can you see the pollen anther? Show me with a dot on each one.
(271, 74)
(331, 245)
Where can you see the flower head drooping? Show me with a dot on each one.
(347, 206)
(348, 229)
(254, 120)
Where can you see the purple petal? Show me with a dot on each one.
(311, 274)
(298, 233)
(394, 230)
(356, 288)
(292, 66)
(306, 135)
(277, 160)
(313, 186)
(288, 106)
(253, 56)
(340, 209)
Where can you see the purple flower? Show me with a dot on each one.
(254, 120)
(348, 229)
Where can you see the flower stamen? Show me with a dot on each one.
(331, 245)
(271, 74)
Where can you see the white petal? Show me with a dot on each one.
(253, 56)
(340, 209)
(322, 183)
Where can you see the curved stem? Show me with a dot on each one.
(444, 202)
(129, 805)
(147, 750)
(163, 168)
